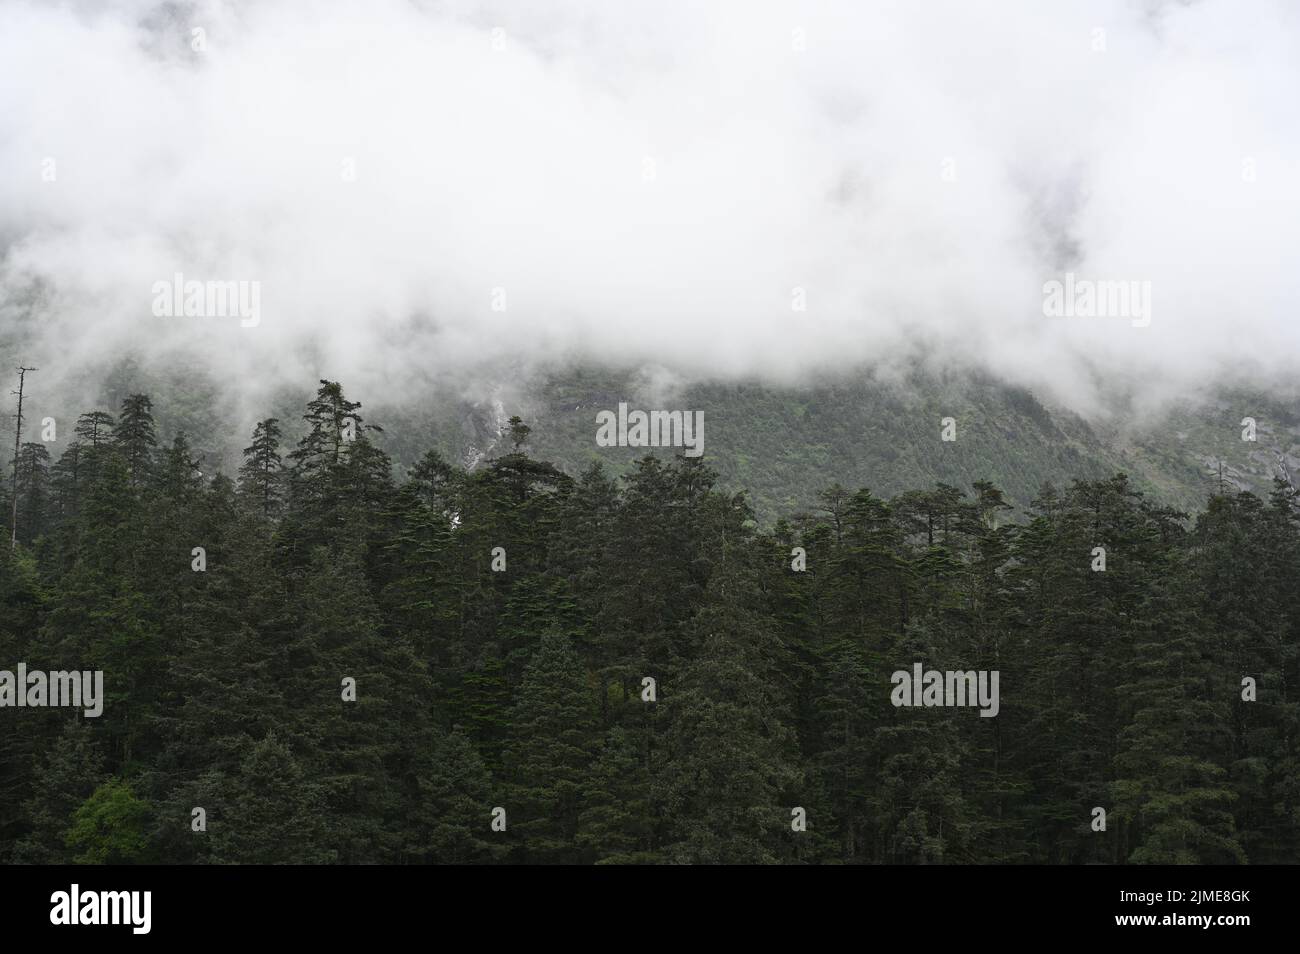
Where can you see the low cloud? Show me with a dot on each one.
(726, 189)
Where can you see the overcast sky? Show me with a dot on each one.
(650, 182)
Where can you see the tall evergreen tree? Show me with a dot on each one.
(134, 434)
(261, 477)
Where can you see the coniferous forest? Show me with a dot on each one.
(519, 665)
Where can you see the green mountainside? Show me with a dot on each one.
(783, 445)
(780, 445)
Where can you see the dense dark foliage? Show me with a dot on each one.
(523, 688)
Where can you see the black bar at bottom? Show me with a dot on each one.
(338, 904)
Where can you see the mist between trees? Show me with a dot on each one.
(337, 668)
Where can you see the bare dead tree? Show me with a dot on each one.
(18, 437)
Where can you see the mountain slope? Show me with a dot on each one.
(782, 445)
(779, 444)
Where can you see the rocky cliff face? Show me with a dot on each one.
(482, 424)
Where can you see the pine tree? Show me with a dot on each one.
(550, 752)
(338, 479)
(65, 777)
(33, 491)
(261, 477)
(616, 823)
(134, 435)
(275, 811)
(95, 428)
(729, 776)
(1170, 793)
(452, 809)
(362, 736)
